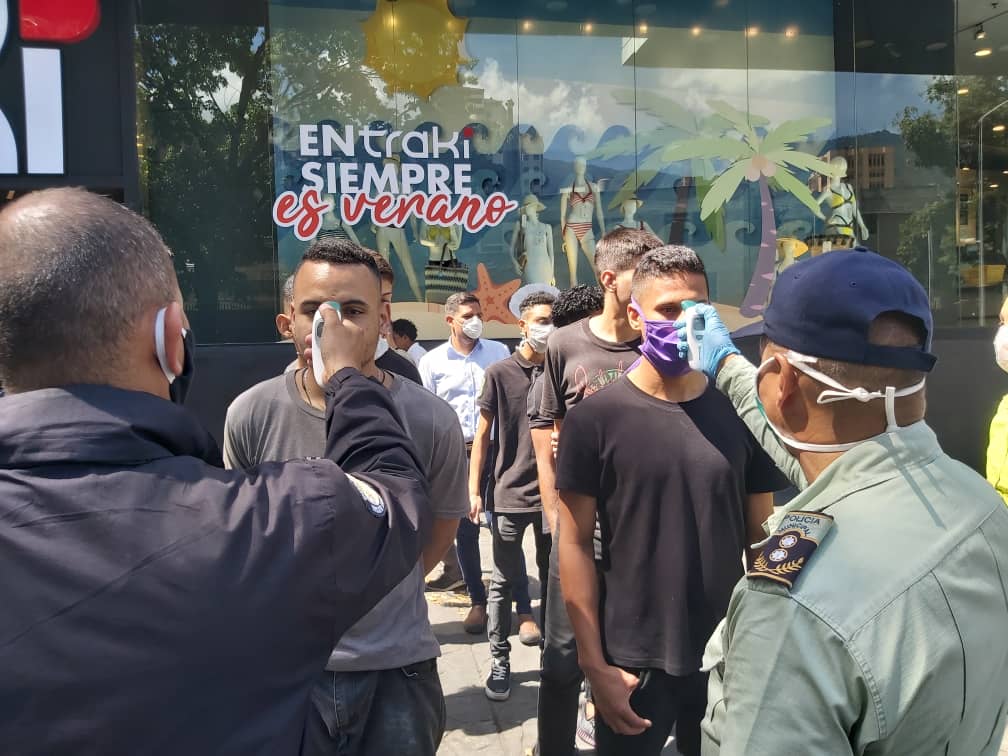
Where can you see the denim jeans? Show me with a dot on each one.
(670, 703)
(468, 554)
(390, 711)
(509, 570)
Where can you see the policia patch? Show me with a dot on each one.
(789, 549)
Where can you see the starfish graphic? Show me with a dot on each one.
(495, 297)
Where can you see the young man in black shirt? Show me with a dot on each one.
(581, 359)
(517, 505)
(681, 489)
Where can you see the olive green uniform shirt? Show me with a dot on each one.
(894, 636)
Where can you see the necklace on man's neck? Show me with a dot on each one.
(304, 390)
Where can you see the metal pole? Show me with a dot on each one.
(982, 311)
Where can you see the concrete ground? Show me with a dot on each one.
(477, 725)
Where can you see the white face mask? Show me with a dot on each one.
(537, 336)
(1001, 347)
(838, 393)
(473, 328)
(382, 347)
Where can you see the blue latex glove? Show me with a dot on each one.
(715, 341)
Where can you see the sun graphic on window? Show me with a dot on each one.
(415, 45)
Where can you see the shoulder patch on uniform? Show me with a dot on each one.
(788, 550)
(372, 499)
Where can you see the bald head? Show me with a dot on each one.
(77, 272)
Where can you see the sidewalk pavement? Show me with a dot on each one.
(477, 725)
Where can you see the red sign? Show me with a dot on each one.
(65, 21)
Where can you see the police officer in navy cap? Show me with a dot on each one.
(874, 619)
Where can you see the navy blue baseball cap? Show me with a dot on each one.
(824, 306)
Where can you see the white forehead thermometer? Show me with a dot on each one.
(318, 368)
(694, 324)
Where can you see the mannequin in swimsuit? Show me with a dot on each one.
(333, 225)
(534, 260)
(630, 207)
(441, 242)
(390, 236)
(578, 206)
(843, 211)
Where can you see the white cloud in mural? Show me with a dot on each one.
(548, 105)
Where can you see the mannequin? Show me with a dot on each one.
(843, 211)
(532, 244)
(333, 225)
(441, 242)
(630, 206)
(578, 207)
(391, 236)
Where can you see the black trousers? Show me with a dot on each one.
(560, 676)
(670, 703)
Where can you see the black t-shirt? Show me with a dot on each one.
(579, 363)
(536, 420)
(396, 363)
(505, 393)
(671, 482)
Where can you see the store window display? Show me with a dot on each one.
(532, 244)
(631, 206)
(844, 226)
(580, 209)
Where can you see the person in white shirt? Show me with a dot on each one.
(404, 338)
(454, 371)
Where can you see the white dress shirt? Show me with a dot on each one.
(458, 378)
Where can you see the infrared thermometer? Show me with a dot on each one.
(694, 325)
(318, 368)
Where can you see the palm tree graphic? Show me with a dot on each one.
(769, 161)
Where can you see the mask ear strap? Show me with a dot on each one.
(159, 344)
(890, 409)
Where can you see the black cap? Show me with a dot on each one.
(825, 305)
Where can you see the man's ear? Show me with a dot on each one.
(787, 385)
(174, 349)
(607, 279)
(385, 324)
(634, 318)
(283, 325)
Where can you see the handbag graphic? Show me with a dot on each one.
(445, 277)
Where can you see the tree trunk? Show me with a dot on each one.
(763, 276)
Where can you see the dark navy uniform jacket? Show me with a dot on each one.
(152, 602)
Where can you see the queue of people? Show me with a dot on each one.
(161, 596)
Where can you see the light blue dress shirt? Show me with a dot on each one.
(458, 378)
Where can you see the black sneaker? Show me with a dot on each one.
(447, 581)
(498, 684)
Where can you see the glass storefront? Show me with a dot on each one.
(755, 131)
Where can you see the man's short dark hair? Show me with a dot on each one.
(77, 270)
(455, 301)
(535, 299)
(577, 303)
(405, 328)
(288, 292)
(337, 251)
(666, 262)
(622, 249)
(385, 271)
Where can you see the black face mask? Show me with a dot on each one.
(179, 388)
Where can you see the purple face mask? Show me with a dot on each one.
(661, 345)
